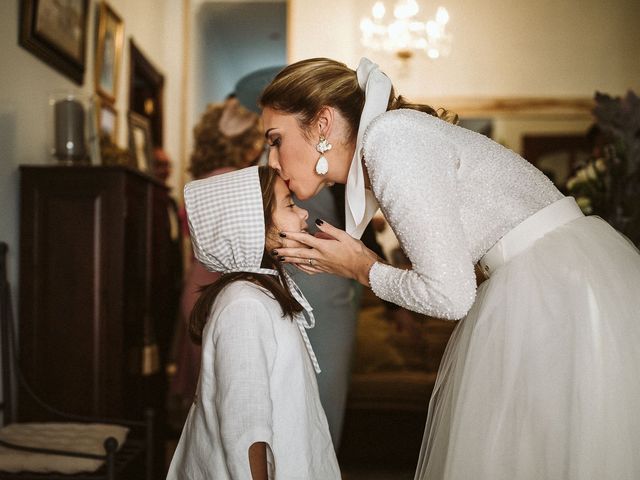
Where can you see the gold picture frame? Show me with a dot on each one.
(108, 54)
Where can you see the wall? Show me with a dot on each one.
(501, 48)
(26, 81)
(239, 38)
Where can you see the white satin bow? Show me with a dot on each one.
(360, 203)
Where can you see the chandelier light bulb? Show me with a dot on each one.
(406, 9)
(378, 11)
(367, 27)
(442, 16)
(433, 29)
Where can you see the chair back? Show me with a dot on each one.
(6, 336)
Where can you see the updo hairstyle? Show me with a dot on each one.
(304, 87)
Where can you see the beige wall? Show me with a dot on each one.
(501, 47)
(26, 81)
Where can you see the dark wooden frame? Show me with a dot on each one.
(45, 49)
(104, 12)
(142, 70)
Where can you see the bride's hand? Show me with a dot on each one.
(331, 250)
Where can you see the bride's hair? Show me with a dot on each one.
(304, 87)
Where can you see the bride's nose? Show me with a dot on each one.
(272, 160)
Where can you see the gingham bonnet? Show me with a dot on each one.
(226, 222)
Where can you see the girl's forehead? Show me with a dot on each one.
(280, 188)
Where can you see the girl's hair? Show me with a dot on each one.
(276, 285)
(303, 88)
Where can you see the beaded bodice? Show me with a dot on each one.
(449, 194)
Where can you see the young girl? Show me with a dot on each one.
(257, 411)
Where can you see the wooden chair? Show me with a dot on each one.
(31, 444)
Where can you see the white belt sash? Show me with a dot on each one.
(529, 231)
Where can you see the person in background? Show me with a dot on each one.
(227, 137)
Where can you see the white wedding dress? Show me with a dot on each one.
(541, 377)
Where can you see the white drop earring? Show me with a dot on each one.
(322, 165)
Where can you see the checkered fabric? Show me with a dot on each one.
(226, 221)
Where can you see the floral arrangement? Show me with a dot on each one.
(608, 183)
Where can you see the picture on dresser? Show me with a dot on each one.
(108, 121)
(140, 143)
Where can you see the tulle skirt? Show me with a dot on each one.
(541, 380)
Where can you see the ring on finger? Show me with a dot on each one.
(310, 261)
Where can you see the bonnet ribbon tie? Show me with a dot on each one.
(303, 321)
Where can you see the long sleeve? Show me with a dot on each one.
(245, 350)
(413, 175)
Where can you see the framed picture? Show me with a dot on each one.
(56, 31)
(140, 141)
(109, 43)
(107, 121)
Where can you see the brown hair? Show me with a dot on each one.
(304, 87)
(276, 285)
(213, 149)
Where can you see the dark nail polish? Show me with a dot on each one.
(282, 234)
(274, 252)
(319, 222)
(281, 258)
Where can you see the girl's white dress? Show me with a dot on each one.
(541, 377)
(257, 384)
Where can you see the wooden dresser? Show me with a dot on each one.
(95, 288)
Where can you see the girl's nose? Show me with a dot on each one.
(304, 214)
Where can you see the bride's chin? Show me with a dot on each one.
(308, 193)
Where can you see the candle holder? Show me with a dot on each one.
(71, 123)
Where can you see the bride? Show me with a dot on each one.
(541, 377)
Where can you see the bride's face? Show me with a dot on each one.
(292, 154)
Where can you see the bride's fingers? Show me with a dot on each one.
(305, 262)
(304, 238)
(329, 229)
(296, 252)
(307, 269)
(323, 235)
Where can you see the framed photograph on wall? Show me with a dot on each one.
(140, 143)
(109, 44)
(56, 33)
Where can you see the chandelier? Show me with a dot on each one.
(402, 33)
